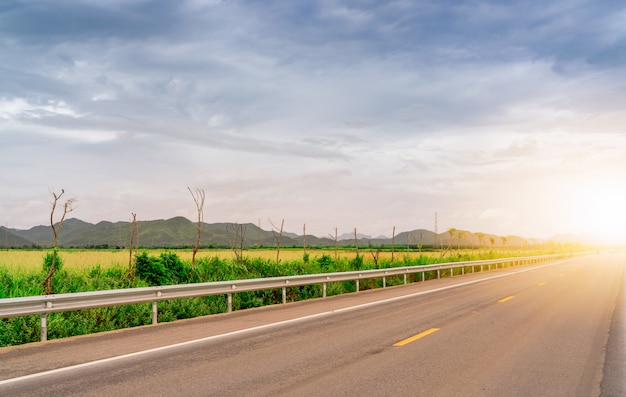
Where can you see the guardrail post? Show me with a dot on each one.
(324, 290)
(154, 312)
(357, 285)
(284, 295)
(463, 270)
(438, 273)
(43, 335)
(229, 302)
(404, 278)
(384, 281)
(423, 276)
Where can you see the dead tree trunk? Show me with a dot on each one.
(304, 240)
(393, 243)
(236, 240)
(375, 253)
(134, 245)
(56, 229)
(198, 198)
(408, 243)
(278, 237)
(335, 238)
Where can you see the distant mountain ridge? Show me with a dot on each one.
(181, 232)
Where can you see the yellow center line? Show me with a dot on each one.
(541, 284)
(416, 337)
(506, 299)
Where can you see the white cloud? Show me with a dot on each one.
(15, 108)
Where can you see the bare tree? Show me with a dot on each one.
(408, 242)
(375, 253)
(56, 229)
(452, 232)
(134, 244)
(460, 236)
(356, 243)
(278, 236)
(420, 245)
(393, 243)
(198, 198)
(480, 236)
(304, 239)
(236, 240)
(335, 238)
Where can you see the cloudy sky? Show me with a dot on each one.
(504, 117)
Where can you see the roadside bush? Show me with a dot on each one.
(47, 261)
(167, 268)
(357, 262)
(151, 269)
(325, 262)
(19, 330)
(173, 266)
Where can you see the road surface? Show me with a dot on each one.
(554, 329)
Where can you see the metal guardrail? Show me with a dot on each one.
(44, 304)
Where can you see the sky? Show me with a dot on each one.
(503, 117)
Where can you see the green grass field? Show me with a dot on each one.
(26, 261)
(21, 261)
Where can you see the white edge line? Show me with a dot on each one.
(247, 330)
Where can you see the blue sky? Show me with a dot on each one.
(505, 117)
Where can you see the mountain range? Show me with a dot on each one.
(180, 232)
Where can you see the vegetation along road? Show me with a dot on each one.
(554, 329)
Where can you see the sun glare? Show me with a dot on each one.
(600, 212)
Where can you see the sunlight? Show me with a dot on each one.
(600, 211)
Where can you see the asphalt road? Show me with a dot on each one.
(551, 330)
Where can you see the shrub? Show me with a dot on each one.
(173, 266)
(325, 262)
(151, 269)
(357, 262)
(47, 261)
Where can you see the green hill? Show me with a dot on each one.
(9, 239)
(180, 232)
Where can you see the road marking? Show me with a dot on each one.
(416, 337)
(506, 299)
(244, 331)
(541, 284)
